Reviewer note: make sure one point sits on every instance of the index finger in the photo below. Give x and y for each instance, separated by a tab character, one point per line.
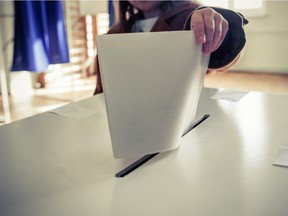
197	24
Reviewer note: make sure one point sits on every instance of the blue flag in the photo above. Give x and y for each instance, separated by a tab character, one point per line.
111	12
40	36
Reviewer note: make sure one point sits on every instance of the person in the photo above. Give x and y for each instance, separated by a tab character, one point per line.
219	30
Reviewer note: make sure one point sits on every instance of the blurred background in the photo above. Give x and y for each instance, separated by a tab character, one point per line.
34	89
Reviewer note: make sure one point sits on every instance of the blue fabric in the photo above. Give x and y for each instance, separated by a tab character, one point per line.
40	37
111	12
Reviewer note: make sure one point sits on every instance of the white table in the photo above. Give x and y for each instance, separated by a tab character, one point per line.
56	165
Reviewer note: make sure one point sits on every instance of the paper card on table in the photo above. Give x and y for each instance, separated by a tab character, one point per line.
230	95
73	111
282	157
152	83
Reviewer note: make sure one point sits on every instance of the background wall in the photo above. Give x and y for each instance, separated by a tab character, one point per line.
267	36
267	41
93	7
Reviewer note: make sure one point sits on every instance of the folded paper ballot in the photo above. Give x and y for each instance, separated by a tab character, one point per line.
151	83
282	157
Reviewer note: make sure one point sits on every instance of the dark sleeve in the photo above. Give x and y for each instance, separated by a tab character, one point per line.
234	40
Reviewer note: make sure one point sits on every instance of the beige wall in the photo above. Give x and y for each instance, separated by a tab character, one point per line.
267	40
93	6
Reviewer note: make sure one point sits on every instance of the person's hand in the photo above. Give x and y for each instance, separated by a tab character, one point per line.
209	28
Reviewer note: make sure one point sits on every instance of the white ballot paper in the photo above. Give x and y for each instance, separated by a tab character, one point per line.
282	157
229	94
152	83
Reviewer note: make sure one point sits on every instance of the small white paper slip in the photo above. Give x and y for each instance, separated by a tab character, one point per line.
230	95
282	157
74	112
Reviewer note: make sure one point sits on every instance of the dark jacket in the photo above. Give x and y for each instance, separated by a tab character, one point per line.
178	18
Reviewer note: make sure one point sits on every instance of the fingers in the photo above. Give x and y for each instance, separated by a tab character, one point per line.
220	31
210	29
197	24
210	26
